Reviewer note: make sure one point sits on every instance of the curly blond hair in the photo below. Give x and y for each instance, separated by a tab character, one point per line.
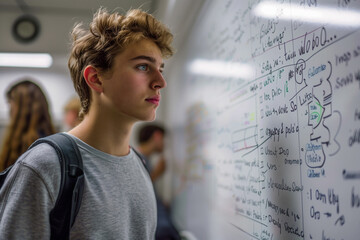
108	35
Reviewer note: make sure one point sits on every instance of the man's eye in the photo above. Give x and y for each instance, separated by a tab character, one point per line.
143	67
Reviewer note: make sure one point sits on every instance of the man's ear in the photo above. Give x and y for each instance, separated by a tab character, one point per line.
92	79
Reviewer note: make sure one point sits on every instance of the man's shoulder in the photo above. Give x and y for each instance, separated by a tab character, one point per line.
38	168
42	158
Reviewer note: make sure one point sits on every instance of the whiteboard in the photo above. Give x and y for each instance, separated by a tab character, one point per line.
264	111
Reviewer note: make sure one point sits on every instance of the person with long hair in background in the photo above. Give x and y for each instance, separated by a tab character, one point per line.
29	120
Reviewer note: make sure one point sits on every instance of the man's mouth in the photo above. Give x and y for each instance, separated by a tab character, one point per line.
154	100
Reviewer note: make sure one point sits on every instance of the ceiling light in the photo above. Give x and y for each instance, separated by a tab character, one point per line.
29	60
221	68
321	15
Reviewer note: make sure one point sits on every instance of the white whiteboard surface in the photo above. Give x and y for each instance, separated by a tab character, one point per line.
264	108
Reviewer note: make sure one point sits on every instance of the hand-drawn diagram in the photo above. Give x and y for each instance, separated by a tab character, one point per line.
245	138
319	109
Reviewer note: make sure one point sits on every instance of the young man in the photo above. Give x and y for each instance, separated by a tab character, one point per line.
116	67
151	141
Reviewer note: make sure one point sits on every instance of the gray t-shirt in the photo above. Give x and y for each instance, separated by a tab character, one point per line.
118	200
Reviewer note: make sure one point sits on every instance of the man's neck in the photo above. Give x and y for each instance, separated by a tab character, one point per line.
111	138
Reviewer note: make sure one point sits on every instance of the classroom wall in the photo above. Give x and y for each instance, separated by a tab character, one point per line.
263	106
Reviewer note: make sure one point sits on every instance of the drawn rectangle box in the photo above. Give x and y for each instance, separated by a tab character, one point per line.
244	138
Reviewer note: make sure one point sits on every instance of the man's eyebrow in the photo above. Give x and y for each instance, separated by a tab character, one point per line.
148	58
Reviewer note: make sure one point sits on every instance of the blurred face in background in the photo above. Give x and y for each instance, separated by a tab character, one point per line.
71	113
71	118
159	141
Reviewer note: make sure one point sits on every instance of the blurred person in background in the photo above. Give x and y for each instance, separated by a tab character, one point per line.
151	141
71	113
29	120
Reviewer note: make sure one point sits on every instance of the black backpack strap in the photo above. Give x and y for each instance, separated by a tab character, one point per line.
140	156
67	205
